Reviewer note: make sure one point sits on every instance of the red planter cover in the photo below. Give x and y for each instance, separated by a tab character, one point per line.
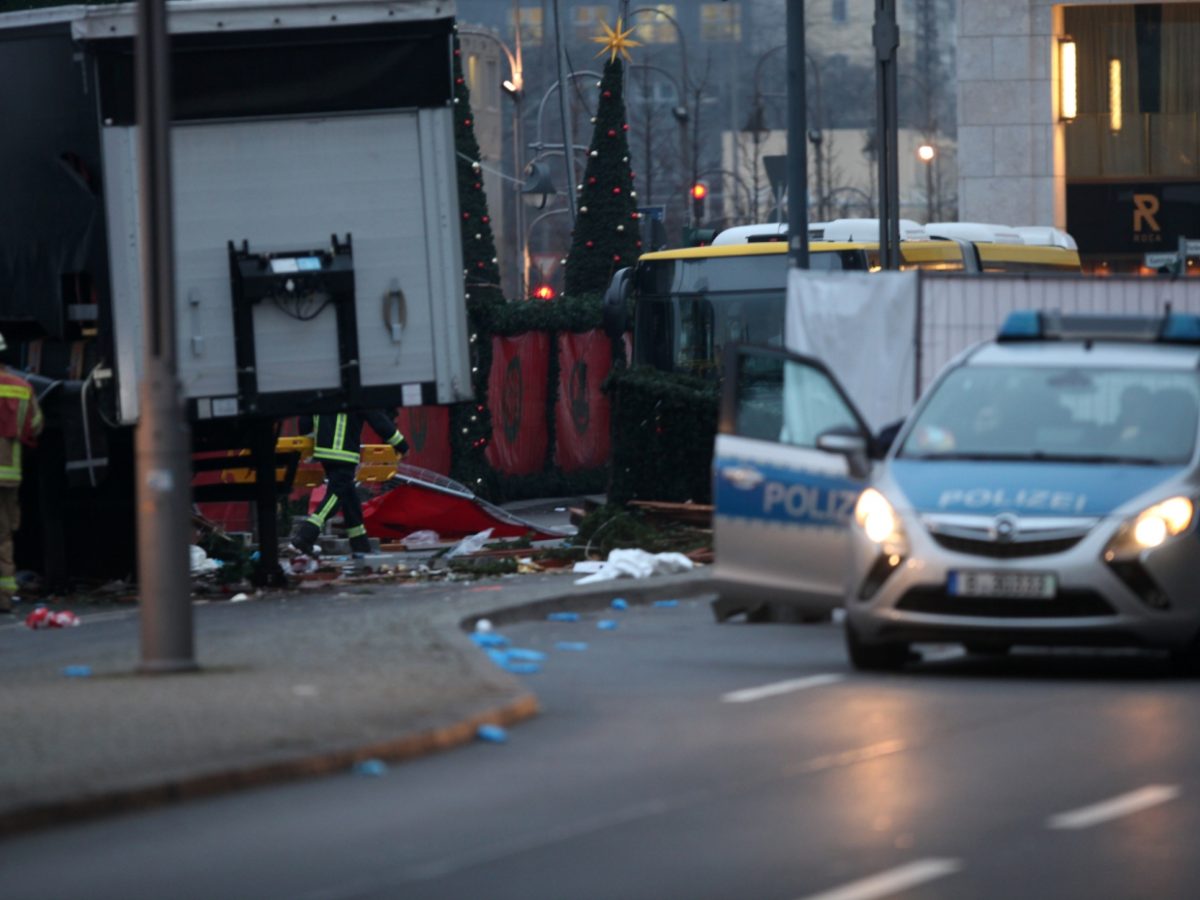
517	399
581	413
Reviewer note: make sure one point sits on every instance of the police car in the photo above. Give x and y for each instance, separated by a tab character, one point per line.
1042	492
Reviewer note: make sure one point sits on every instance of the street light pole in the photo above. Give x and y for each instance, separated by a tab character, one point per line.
163	441
797	145
515	88
560	54
887	40
927	153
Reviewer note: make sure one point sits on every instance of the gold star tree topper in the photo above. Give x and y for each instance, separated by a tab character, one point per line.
616	41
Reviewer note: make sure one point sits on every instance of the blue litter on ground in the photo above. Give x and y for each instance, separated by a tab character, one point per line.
519	663
620	603
77	671
666	604
522	668
563	617
571	645
606	625
526	655
489	639
371	767
493	734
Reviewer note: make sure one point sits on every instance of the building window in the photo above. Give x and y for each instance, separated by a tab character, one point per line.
586	21
655	29
838	11
720	22
531	20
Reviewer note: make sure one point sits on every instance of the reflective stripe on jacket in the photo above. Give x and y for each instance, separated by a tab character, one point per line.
339	437
20	423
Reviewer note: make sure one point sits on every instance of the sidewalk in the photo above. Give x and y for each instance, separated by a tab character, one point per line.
292	684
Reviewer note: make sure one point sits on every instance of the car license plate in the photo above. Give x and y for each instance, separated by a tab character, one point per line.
1032	585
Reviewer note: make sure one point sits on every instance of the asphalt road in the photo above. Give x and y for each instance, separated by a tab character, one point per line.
678	758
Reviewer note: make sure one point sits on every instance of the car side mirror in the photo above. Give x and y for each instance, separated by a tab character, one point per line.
850	444
616	317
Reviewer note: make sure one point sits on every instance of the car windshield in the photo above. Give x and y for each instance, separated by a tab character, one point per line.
1132	416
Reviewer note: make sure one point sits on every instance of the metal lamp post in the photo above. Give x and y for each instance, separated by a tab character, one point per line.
514	86
927	153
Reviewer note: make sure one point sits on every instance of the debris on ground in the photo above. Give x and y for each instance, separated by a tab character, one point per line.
372	768
492	734
698	515
42	617
638	564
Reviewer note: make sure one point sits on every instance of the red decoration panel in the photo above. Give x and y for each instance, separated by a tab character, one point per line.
581	415
427	430
517	397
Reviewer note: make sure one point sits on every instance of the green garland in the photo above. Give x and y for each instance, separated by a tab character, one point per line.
663	430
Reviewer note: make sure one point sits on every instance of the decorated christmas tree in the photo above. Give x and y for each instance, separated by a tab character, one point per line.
471	423
606	229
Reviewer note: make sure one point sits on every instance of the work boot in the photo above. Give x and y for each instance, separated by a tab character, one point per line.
304	540
6	605
360	545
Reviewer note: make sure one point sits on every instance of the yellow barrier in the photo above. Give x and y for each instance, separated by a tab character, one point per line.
377	463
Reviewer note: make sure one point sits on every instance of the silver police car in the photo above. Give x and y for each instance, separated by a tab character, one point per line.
1042	492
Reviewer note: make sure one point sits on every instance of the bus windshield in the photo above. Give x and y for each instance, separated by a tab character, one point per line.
689	309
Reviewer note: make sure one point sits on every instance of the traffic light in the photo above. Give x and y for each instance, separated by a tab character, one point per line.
699	192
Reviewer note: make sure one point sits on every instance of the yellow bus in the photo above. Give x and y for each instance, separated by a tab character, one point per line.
690	302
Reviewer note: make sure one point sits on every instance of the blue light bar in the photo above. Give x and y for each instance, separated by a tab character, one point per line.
1022	325
1181	328
1033	325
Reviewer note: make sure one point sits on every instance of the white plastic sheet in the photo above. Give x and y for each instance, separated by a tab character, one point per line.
638	564
863	327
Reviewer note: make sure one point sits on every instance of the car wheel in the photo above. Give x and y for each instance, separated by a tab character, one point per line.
1186	660
980	649
874	657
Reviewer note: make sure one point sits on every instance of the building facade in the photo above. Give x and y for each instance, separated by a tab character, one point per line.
1084	116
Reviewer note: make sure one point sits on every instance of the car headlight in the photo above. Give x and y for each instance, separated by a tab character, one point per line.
876	517
1153	526
1161	521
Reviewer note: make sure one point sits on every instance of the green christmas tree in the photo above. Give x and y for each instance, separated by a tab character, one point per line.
471	423
606	230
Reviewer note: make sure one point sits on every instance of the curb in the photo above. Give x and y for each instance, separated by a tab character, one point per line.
420	743
405	747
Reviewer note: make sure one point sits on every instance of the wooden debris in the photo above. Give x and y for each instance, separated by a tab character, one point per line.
698	515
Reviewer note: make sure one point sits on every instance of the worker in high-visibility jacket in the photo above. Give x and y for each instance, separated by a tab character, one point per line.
337	445
20	424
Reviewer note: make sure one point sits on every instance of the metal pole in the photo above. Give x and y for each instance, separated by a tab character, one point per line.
929	191
163	443
887	39
797	132
560	53
519	203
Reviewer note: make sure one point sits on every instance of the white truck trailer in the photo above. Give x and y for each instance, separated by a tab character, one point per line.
317	252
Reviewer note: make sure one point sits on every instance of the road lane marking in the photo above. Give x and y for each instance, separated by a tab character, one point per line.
1124	805
748	695
892	881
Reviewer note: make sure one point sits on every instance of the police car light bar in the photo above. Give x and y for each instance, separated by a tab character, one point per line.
1034	325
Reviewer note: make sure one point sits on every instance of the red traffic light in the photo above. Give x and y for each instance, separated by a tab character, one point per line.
699	190
544	292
